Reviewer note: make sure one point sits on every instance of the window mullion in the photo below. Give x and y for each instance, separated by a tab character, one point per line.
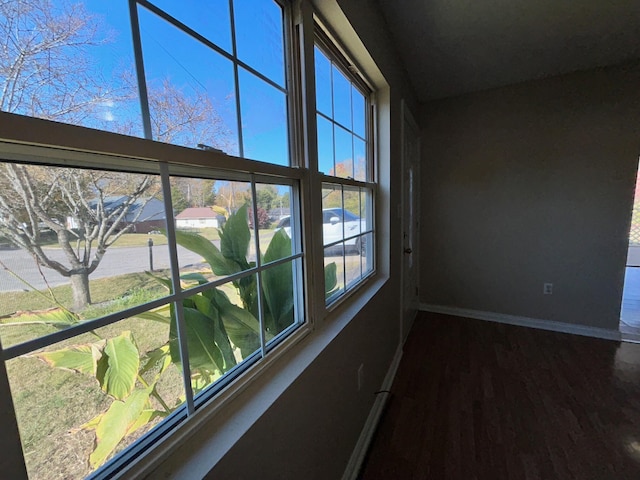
142	81
175	281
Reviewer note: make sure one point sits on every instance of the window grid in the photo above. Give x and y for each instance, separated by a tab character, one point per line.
349	182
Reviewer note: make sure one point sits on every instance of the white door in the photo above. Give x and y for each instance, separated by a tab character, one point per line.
410	218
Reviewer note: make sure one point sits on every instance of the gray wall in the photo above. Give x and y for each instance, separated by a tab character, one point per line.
529	184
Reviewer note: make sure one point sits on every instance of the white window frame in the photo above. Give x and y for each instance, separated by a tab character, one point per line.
328	43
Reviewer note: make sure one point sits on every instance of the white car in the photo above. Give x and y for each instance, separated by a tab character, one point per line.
336	225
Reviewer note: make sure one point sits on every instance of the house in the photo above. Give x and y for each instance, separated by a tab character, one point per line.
528	132
198	217
143	216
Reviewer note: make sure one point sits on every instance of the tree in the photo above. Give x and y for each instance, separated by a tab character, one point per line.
85	207
48	70
266	196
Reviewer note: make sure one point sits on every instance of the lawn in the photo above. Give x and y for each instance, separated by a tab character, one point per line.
142	239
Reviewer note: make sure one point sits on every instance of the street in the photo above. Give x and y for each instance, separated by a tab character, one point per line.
116	261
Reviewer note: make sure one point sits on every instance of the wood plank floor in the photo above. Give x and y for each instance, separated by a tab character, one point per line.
478	400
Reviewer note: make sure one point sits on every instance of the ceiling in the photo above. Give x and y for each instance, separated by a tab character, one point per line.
450	47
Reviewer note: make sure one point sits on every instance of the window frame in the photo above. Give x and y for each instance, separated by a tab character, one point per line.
327	42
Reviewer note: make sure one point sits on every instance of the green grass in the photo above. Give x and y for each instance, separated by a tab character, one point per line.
142	239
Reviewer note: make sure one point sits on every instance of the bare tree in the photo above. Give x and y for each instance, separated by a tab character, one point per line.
47	70
86	210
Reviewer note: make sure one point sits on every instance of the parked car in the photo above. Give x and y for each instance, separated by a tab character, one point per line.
337	224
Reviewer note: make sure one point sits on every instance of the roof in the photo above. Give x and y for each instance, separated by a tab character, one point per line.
197	212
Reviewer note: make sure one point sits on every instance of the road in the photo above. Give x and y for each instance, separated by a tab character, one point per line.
116	261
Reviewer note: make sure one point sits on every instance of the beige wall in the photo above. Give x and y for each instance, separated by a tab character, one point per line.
530	184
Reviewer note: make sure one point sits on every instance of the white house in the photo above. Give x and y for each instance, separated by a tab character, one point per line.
198	217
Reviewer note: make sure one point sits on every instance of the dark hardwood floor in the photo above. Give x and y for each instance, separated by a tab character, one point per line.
479	400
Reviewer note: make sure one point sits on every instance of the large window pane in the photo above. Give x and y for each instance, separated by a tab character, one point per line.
76	247
223	330
359	159
323	83
278	296
118	382
341	99
210	19
69	62
325	145
259	37
264	120
359	113
212	228
334	272
273	203
191	88
343	153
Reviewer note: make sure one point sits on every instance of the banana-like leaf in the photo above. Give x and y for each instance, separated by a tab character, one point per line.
56	317
160	357
114	424
330	279
194	277
200	245
203	351
241	326
277	283
208	308
155	315
122	363
235	237
79	358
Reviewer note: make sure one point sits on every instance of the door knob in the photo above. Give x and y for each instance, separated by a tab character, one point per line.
407	250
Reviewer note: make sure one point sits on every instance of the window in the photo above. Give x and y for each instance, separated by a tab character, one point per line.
140	278
345	161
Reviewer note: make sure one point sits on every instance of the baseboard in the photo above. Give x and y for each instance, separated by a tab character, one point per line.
524	321
366	435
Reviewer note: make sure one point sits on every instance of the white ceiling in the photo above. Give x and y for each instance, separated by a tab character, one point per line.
450	47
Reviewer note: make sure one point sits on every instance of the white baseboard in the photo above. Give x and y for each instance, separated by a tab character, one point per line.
366	435
524	321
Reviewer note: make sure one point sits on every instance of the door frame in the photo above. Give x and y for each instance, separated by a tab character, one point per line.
407	316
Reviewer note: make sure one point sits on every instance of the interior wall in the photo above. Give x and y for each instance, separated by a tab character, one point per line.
529	184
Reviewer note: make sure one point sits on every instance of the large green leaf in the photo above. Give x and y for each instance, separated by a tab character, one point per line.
277	283
202	246
158	359
235	237
330	279
123	361
241	326
57	317
203	351
80	358
113	425
208	307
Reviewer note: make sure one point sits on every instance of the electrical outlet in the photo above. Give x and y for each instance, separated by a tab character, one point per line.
547	288
360	376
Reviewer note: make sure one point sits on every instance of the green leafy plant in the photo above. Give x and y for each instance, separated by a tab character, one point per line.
219	333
